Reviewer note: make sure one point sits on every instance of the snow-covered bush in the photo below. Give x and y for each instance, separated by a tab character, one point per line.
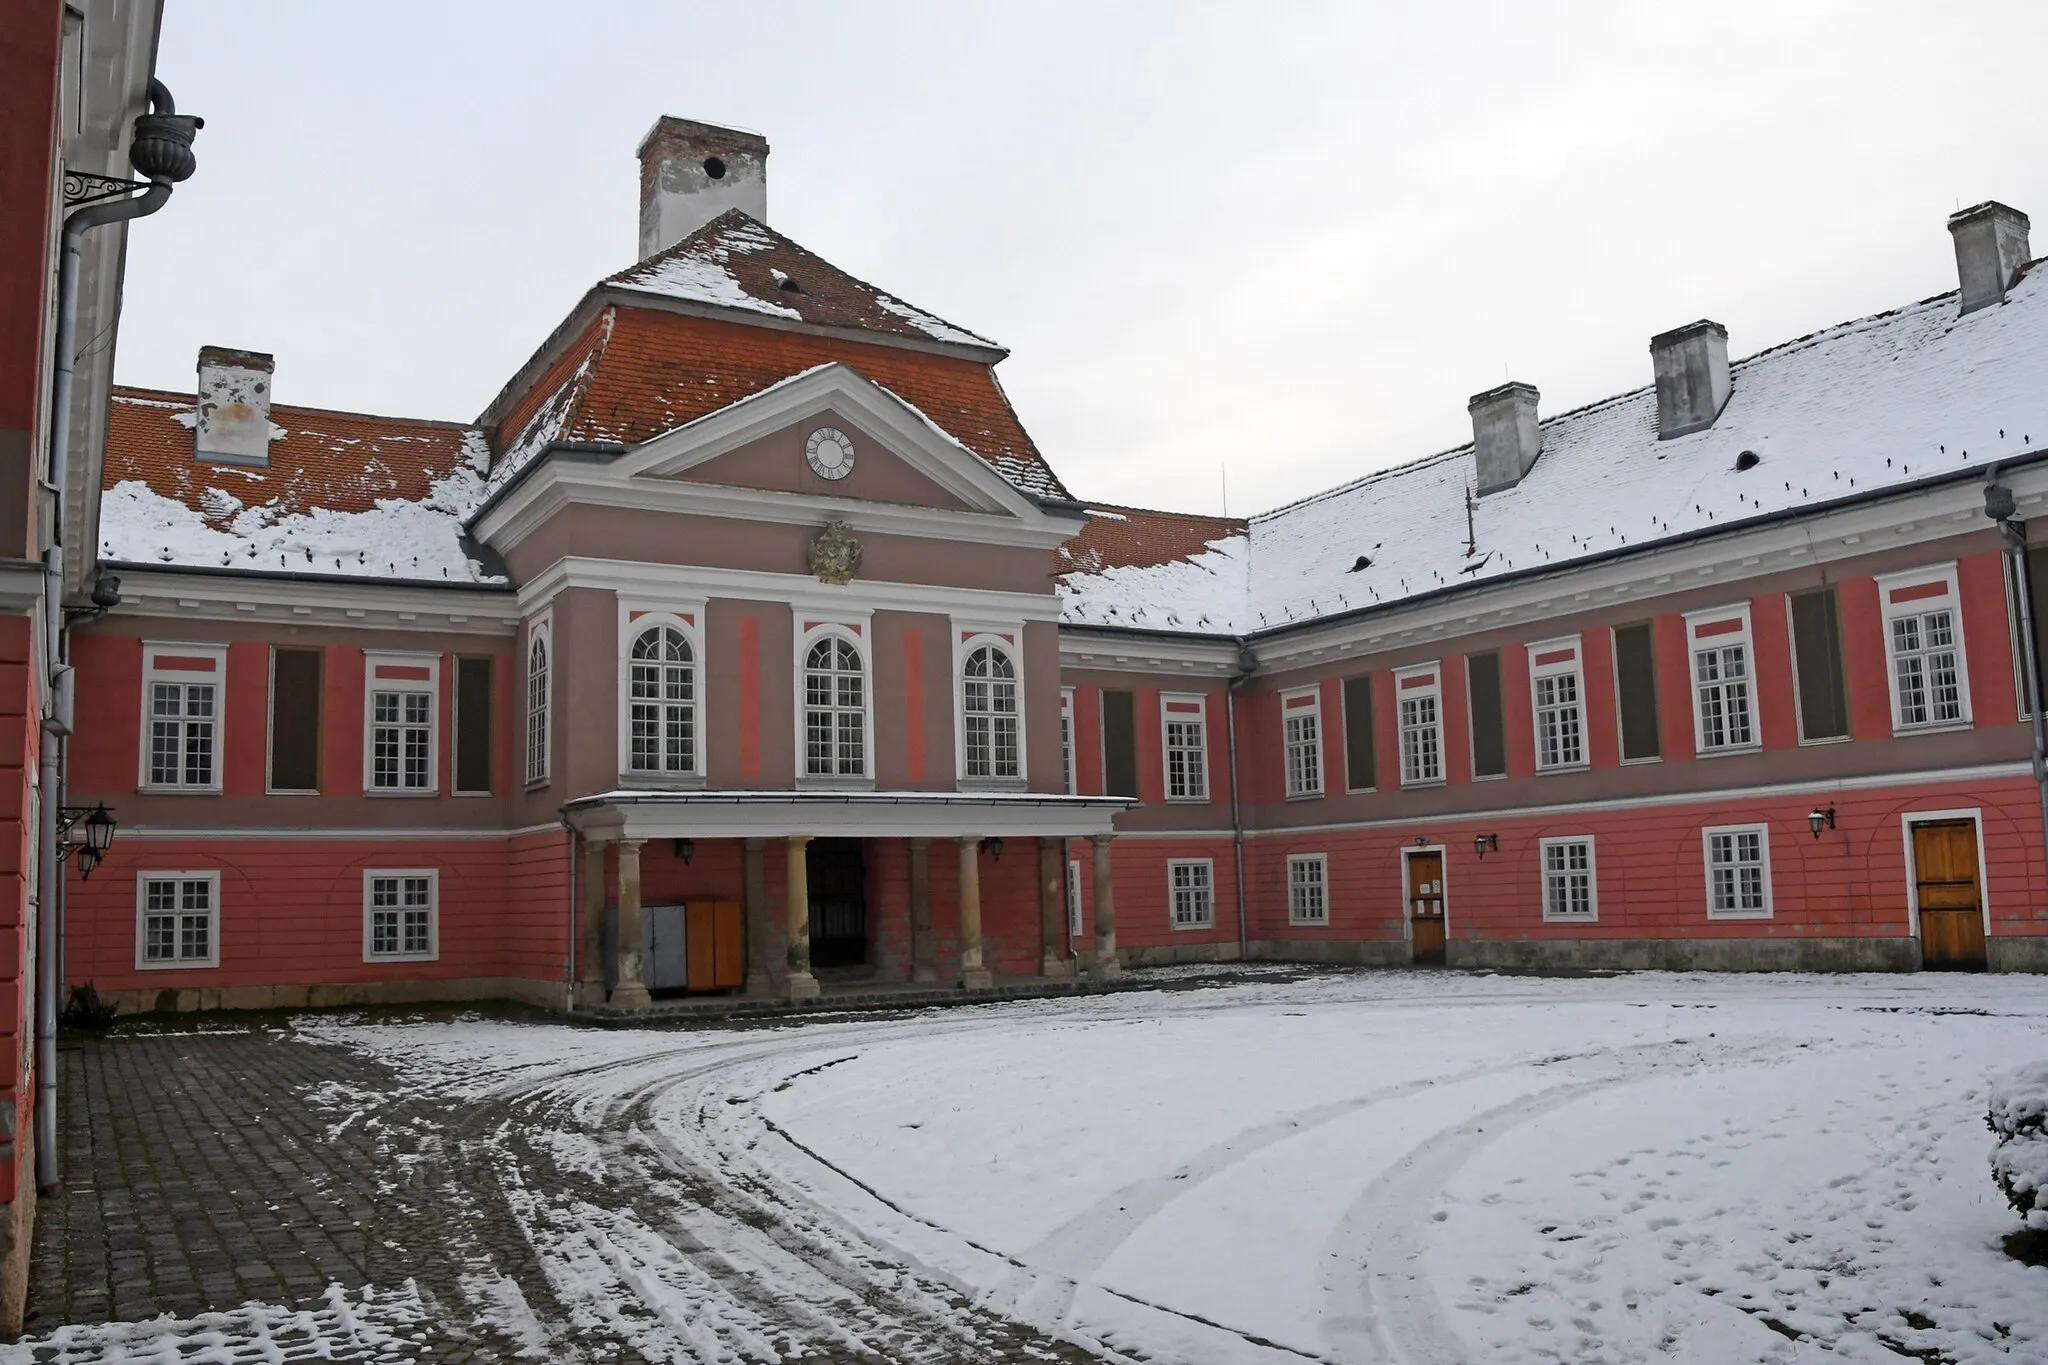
2019	1163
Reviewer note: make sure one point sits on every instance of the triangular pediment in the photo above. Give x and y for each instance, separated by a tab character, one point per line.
827	453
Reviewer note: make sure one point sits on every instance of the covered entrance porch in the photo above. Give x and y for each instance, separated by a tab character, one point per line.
788	895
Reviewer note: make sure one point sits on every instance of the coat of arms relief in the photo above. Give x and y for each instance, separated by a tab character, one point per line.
835	554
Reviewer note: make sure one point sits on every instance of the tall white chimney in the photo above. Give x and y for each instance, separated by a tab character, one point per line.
1991	246
1505	436
233	425
692	172
1692	377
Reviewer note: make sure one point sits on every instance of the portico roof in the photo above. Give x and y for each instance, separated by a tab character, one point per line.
637	814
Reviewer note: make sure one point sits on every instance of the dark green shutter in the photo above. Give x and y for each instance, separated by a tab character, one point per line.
1489	731
472	725
1360	770
1635	685
1817	653
1120	743
295	720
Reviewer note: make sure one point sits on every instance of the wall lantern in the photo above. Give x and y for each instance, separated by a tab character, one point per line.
1422	841
686	849
1818	820
99	825
1483	842
994	847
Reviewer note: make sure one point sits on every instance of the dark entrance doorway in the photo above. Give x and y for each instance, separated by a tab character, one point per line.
839	905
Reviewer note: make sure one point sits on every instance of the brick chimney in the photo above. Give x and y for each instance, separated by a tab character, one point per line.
1692	377
1991	246
692	172
1505	437
233	425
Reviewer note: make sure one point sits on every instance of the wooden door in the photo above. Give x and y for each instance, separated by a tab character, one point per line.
717	946
1426	907
1948	889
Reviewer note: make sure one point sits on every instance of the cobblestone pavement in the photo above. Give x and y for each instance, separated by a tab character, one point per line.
289	1200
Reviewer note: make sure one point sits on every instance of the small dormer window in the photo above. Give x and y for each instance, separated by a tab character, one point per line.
1747	461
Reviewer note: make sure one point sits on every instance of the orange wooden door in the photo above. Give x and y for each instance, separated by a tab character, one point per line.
717	945
1426	907
1948	888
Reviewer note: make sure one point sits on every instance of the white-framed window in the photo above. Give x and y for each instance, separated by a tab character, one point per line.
1073	898
1191	892
991	717
835	730
401	723
183	690
1738	871
1418	700
1301	722
177	919
1184	723
1571	888
1069	780
1923	626
1558	689
1308	896
401	915
659	693
1723	687
540	647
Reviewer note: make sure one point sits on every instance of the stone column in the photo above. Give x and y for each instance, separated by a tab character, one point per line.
973	976
1049	909
924	953
590	989
761	945
632	986
802	985
1106	968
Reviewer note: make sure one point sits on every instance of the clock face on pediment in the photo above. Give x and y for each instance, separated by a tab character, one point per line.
829	452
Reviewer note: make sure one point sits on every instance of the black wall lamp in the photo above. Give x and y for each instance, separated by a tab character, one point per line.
1818	820
686	849
994	846
1482	842
99	825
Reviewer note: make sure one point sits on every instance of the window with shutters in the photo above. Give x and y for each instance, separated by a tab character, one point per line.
1557	687
473	706
991	719
1571	890
1308	900
1184	720
1489	725
1119	742
1635	692
1301	720
539	679
1418	698
835	705
1361	762
1738	871
1924	639
177	919
295	695
183	687
1191	892
399	703
1818	683
401	915
1724	695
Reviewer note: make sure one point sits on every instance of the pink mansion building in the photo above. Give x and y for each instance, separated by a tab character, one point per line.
747	643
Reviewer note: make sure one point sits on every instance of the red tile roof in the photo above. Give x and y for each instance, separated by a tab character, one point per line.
1142	538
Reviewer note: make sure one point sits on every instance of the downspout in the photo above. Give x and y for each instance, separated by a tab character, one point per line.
1247	663
162	150
575	904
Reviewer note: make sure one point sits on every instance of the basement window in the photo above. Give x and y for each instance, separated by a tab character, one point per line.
1747	461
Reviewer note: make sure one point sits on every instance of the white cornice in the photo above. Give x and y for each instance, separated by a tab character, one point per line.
664	581
1109	652
252	597
21	585
869	815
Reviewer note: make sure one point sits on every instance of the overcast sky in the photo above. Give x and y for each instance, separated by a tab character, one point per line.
1286	240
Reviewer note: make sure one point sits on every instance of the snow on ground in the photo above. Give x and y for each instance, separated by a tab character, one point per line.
1421	1167
369	1326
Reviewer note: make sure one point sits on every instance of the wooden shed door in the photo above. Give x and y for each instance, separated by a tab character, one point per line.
1426	906
1948	889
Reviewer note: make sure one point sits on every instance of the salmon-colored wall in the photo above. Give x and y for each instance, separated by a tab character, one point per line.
778	462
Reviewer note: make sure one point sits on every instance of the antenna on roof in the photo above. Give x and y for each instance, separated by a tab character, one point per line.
1471	535
1223	478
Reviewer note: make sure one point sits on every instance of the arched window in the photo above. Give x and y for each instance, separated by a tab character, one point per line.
835	710
661	686
537	708
988	706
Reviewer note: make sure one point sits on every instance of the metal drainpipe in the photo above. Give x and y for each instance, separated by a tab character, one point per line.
2016	549
162	149
575	904
1247	661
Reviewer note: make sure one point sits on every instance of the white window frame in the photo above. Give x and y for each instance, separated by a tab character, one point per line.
1067	754
1715	641
433	879
1571	666
152	674
1197	790
1297	885
270	718
1948	599
537	711
1006	638
1419	682
212	958
857	630
635	620
1551	914
430	688
1735	833
1304	705
1207	888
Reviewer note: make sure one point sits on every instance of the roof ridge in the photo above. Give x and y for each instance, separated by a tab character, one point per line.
143	391
1092	503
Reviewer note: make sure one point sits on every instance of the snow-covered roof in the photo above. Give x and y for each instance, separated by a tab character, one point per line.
1147	570
1880	402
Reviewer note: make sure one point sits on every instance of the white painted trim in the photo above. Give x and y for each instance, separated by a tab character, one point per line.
433	876
1313	712
1322	865
1435	691
373	602
1656	692
1070	756
150	676
1575	667
851	813
1543	847
270	718
1407	851
1950	601
1908	819
369	834
1208	866
801	591
21	587
1707	833
1695	645
1084	650
1798	693
1166	746
858	629
688	618
142	880
540	630
990	635
431	688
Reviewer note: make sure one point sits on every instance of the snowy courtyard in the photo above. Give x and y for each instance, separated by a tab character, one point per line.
1417	1167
